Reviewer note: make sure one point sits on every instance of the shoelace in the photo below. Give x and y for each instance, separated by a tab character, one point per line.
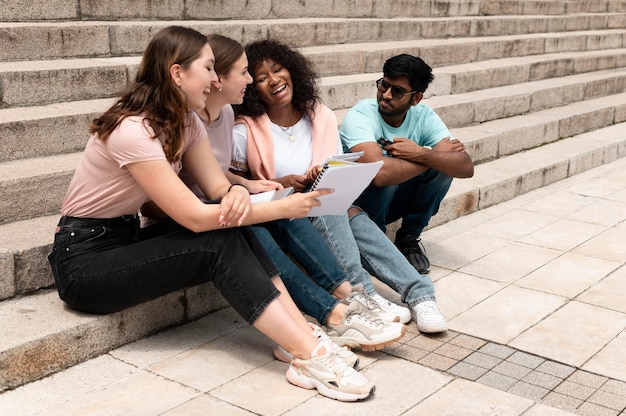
371	302
386	304
428	307
333	362
368	319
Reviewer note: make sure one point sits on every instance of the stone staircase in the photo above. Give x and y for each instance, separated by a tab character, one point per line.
535	89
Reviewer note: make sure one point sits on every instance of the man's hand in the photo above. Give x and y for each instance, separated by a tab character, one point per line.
450	145
406	149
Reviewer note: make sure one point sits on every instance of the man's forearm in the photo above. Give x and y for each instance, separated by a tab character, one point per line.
395	171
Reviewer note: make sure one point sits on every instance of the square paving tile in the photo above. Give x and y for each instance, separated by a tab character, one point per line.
564	234
611	359
568	275
462	397
458	292
510	263
560	204
463	249
609	293
505	315
609	245
603	212
143	394
220	361
586	328
515	225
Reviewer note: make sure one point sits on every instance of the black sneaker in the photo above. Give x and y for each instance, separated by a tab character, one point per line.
413	249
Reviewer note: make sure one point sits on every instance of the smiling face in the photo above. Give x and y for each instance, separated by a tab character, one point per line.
234	83
273	84
197	78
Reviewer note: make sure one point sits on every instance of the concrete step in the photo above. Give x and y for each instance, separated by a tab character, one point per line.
556	7
25	244
23	10
33	10
40	336
28	83
68	39
62	127
36	186
505	178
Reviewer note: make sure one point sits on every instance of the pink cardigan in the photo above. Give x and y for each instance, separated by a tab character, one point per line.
261	144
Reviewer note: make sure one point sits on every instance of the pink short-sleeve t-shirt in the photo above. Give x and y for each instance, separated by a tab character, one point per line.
102	187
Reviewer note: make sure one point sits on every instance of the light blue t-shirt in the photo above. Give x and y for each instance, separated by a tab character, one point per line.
363	123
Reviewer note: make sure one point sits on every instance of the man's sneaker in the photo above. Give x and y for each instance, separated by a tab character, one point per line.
413	249
401	311
344	353
428	317
330	375
360	329
369	303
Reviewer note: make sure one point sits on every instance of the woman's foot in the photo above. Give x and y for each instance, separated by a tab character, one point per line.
330	375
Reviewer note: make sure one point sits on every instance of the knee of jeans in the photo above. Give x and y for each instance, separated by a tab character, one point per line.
354	211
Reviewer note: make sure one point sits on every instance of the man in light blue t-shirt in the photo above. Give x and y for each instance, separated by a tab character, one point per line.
421	157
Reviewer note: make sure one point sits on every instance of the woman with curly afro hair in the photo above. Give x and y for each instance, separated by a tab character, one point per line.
284	132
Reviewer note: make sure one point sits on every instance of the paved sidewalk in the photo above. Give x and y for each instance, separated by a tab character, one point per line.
535	293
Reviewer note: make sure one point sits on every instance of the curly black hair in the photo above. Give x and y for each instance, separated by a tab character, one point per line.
303	76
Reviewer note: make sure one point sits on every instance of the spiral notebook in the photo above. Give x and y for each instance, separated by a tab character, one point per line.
347	178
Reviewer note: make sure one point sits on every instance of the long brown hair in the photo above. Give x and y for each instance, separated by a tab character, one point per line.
153	94
227	51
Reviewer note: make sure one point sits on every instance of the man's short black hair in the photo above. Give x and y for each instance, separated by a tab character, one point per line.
412	68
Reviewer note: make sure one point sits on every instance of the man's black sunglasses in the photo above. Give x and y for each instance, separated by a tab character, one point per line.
396	92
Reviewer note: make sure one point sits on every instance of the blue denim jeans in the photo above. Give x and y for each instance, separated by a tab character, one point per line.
363	249
311	297
415	201
103	266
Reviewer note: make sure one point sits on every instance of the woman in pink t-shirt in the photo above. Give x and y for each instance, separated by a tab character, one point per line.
101	260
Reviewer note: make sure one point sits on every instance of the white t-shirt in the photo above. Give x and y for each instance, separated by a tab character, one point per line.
102	187
289	157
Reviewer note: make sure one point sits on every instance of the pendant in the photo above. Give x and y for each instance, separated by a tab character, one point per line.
291	138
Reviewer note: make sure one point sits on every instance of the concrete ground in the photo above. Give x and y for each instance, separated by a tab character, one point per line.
534	290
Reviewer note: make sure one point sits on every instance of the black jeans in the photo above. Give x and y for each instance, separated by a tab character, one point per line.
103	266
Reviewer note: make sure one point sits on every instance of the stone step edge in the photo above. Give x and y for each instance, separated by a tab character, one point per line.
71	118
110	37
85	11
29	83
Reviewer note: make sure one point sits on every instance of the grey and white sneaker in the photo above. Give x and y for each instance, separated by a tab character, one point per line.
401	311
428	317
343	352
361	329
358	294
330	375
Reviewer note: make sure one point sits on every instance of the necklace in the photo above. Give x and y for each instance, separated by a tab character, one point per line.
287	130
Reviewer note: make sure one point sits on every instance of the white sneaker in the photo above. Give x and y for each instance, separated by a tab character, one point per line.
401	311
348	356
428	317
361	329
369	303
330	375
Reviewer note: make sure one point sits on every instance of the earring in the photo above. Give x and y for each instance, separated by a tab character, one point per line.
220	89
